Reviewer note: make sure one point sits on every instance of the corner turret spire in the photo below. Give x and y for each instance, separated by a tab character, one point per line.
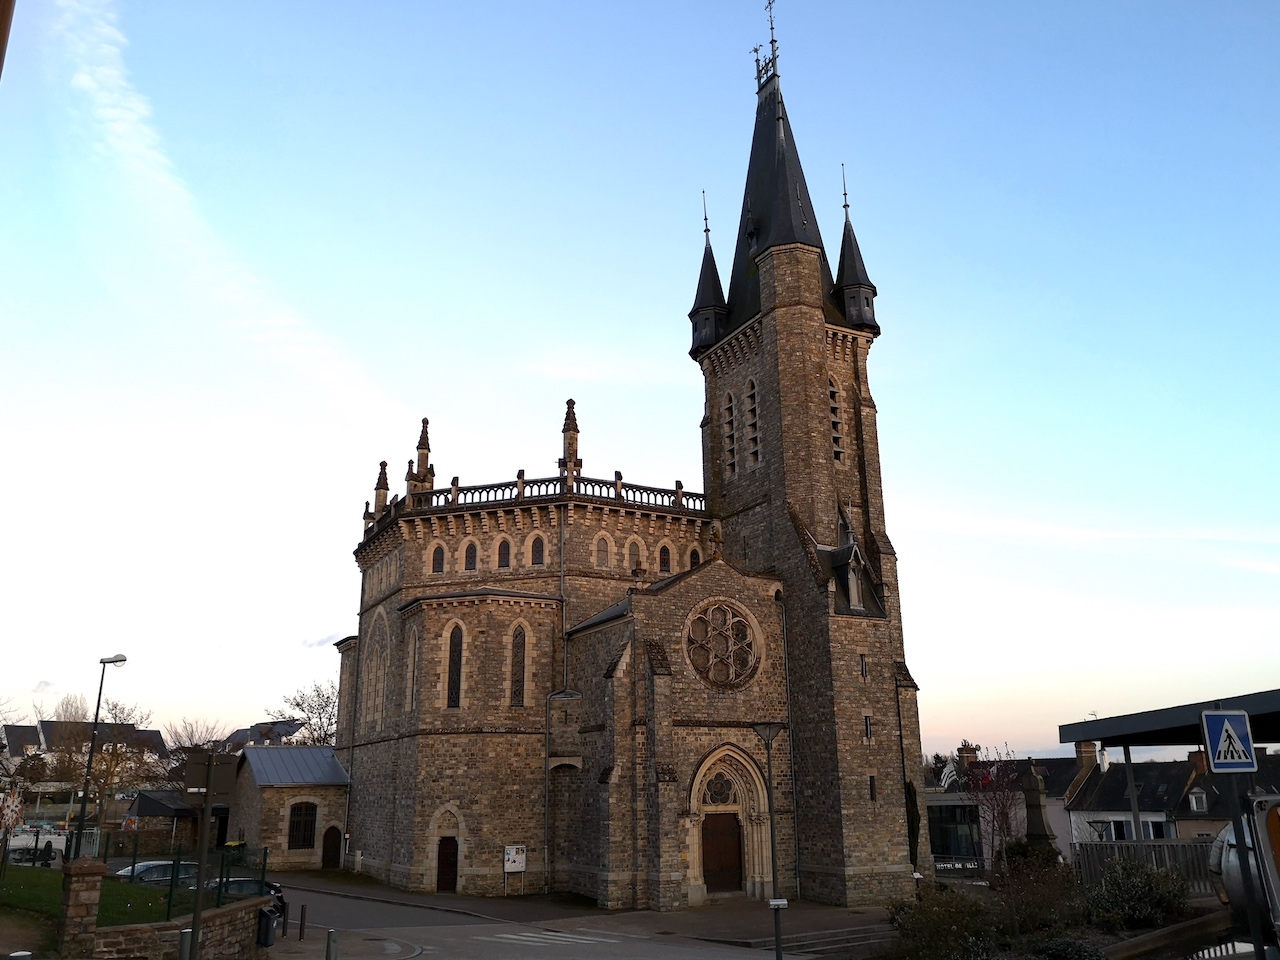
709	311
570	465
853	289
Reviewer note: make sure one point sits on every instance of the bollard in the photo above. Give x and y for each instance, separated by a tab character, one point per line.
331	946
184	944
284	922
302	923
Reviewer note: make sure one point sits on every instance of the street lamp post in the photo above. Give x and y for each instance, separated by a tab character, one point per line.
767	732
117	660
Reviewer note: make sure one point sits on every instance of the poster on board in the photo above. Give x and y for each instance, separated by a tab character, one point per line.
513	859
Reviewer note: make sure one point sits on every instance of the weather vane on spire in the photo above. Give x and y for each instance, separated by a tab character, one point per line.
845	184
706	224
768	67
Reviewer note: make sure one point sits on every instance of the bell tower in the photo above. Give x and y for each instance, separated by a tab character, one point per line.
792	470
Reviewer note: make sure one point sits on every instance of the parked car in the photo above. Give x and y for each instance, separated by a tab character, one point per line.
247	887
158	872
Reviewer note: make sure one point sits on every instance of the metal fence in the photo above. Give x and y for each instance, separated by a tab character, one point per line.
1190	858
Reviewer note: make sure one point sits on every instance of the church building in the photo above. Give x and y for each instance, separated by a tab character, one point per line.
566	683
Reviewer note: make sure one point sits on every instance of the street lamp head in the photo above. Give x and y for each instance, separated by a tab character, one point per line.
118	659
767	731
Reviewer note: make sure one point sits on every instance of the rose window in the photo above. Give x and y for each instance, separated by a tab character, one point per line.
721	647
719	791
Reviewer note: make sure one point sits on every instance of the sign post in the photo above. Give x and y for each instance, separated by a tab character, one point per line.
1228	742
514	860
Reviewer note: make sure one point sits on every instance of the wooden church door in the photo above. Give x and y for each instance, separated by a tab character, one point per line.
331	851
722	852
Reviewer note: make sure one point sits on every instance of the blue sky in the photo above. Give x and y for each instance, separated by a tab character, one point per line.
245	247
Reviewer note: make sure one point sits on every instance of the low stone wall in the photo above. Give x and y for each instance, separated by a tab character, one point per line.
227	933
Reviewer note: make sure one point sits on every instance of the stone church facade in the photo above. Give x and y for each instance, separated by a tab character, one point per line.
575	666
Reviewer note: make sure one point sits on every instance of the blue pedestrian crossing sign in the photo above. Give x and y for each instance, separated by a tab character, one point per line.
1228	741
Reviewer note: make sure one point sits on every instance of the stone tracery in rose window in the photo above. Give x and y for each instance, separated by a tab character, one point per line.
719	791
721	647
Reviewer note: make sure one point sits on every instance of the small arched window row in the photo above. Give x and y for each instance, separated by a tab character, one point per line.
519	663
471	556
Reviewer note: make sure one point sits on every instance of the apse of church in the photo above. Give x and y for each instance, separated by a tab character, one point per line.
561	673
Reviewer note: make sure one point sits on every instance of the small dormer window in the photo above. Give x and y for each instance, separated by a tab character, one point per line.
1199	802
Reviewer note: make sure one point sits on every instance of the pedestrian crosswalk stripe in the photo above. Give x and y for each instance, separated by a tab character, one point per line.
546	938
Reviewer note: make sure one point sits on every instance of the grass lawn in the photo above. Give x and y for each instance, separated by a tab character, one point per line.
39	891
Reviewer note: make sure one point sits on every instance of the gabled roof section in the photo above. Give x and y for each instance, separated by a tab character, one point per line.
776	208
1160	786
19	739
295	766
616	612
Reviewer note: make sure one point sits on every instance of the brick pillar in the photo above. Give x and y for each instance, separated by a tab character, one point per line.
81	890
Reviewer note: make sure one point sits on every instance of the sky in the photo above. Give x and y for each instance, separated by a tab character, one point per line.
246	247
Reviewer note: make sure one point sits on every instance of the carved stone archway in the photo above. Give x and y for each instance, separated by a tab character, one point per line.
728	781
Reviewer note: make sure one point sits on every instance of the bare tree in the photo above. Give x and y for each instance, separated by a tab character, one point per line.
183	738
73	707
317	707
993	784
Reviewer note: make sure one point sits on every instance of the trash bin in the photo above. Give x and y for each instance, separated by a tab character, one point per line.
267	918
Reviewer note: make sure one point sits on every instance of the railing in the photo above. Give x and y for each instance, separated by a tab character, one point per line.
1190	858
547	488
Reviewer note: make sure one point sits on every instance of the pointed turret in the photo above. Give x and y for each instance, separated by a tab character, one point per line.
424	477
709	310
570	465
380	490
853	288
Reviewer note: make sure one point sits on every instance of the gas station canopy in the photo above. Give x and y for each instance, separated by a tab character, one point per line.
1177	726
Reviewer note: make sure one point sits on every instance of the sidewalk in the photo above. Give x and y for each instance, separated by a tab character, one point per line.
737	921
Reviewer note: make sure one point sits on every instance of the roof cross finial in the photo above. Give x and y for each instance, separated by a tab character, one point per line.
768	67
845	184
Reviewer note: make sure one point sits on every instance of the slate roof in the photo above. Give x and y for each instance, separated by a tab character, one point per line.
76	733
288	766
1160	787
1217	802
161	803
269	730
19	736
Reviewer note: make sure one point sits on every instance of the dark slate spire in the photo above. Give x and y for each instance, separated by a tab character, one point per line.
776	208
708	313
854	290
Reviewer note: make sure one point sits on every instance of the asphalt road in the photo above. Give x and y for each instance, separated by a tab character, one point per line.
397	932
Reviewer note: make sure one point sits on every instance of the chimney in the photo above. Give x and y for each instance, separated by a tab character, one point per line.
1086	754
1200	760
966	754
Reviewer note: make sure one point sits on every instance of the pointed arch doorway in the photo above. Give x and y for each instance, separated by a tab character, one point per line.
728	828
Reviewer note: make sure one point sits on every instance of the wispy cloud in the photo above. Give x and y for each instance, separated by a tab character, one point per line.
206	279
44	686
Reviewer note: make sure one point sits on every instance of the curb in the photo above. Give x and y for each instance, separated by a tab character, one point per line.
397	903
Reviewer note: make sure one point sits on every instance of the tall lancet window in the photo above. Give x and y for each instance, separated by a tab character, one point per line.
837	422
517	667
455	668
730	443
752	426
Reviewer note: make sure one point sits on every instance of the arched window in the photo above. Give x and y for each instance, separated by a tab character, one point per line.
695	558
837	423
471	557
437	560
633	555
455	668
504	553
730	445
664	560
753	426
602	552
517	667
302	826
538	552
